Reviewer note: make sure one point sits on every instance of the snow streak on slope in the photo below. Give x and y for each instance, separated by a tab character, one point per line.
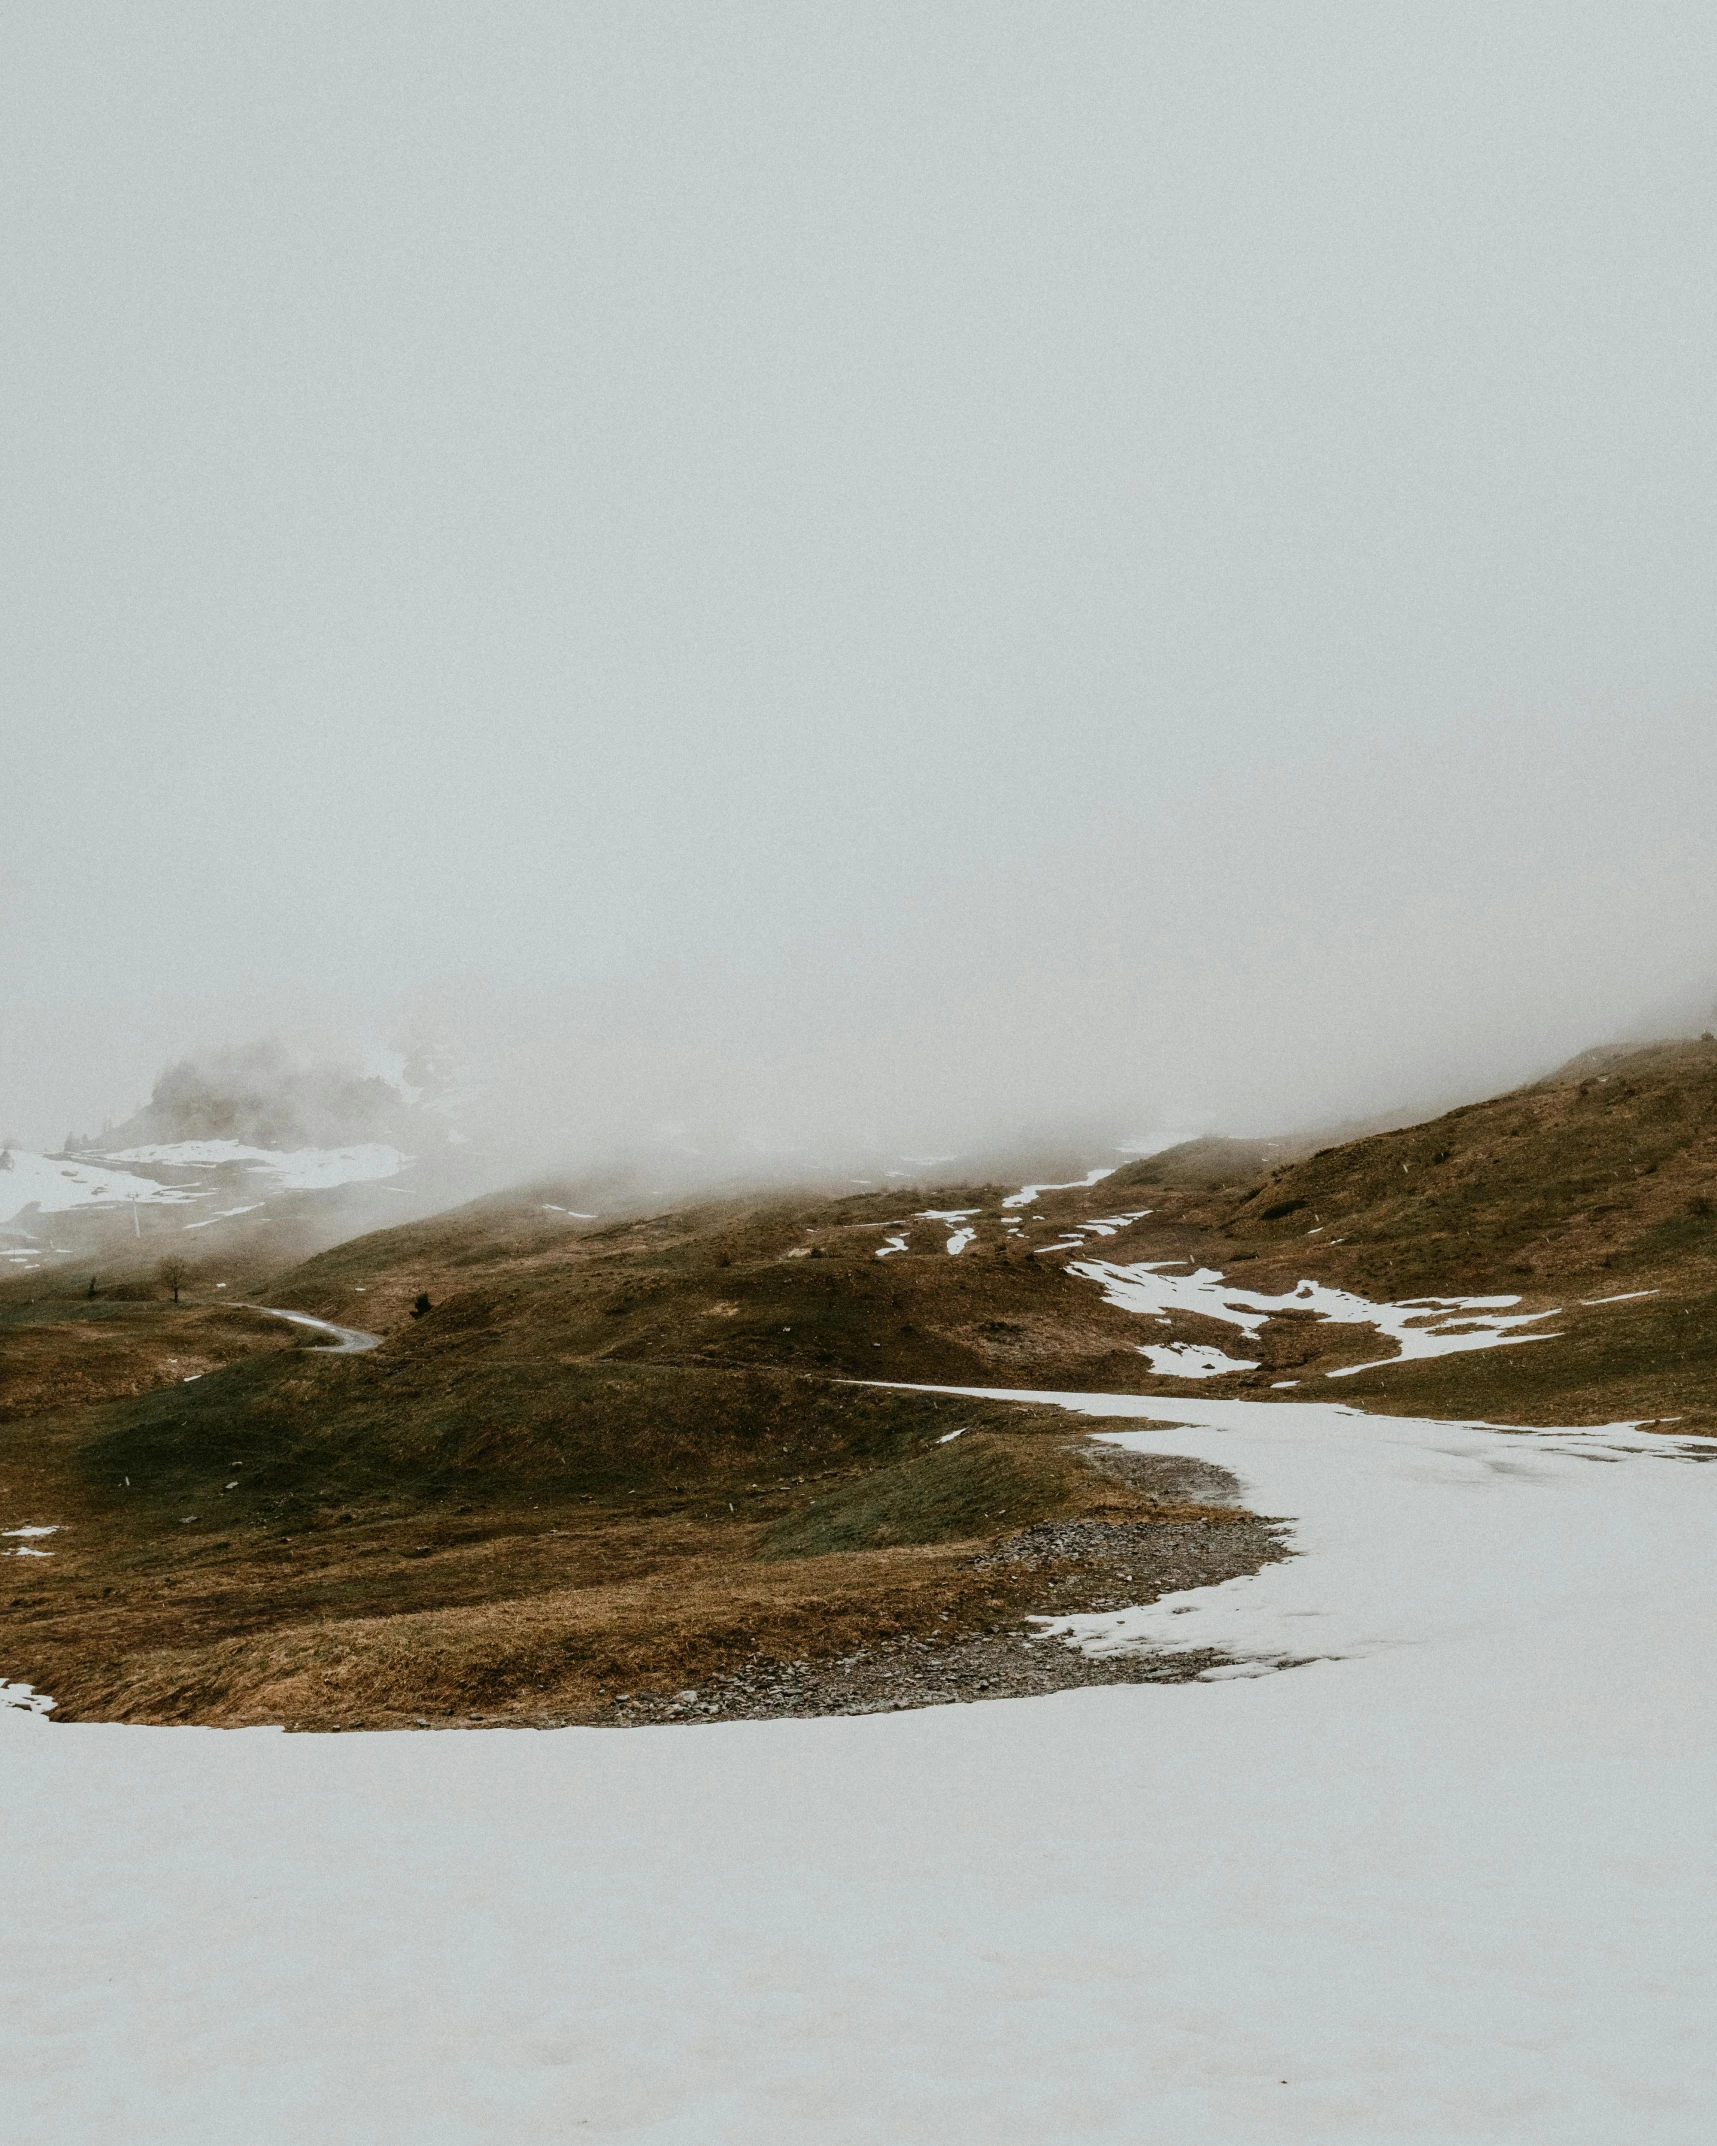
1111	1225
227	1214
1450	1885
1027	1193
958	1238
1424	1326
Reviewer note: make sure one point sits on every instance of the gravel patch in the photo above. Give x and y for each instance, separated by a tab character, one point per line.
1069	1566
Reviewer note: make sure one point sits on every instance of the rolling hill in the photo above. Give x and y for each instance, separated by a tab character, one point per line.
610	1461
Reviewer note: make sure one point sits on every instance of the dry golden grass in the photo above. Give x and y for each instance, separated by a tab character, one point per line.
99	1351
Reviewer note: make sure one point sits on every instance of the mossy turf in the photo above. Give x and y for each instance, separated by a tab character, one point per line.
315	1432
973	1487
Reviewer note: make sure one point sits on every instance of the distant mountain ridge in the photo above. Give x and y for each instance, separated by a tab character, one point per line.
246	1157
260	1096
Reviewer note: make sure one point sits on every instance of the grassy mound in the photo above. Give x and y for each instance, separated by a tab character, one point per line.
975	1486
302	1433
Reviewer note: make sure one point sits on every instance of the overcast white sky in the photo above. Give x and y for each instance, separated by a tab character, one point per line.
913	568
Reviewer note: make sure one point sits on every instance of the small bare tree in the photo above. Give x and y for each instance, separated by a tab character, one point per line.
174	1271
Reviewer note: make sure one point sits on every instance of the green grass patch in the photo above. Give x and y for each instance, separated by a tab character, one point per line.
300	1431
978	1485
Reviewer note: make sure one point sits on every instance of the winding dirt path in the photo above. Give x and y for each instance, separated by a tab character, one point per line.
349	1340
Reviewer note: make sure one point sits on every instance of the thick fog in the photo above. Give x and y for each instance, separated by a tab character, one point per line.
892	577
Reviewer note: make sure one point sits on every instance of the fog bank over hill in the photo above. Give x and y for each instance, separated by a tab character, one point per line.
266	1095
636	1118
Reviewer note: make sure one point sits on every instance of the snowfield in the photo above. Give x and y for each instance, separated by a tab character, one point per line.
1452	1881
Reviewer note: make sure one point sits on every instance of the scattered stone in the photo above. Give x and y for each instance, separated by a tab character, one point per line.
1078	1566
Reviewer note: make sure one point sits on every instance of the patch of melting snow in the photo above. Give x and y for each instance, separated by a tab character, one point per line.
1027	1193
1112	1225
890	1246
9	1532
1347	1594
1421	1326
1186	1360
958	1242
1627	1297
26	1698
226	1214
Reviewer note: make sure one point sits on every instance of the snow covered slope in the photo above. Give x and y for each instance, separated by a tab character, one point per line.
58	1184
1451	1882
97	1208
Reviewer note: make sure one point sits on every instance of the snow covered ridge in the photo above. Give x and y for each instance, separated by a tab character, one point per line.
1423	1326
297	1170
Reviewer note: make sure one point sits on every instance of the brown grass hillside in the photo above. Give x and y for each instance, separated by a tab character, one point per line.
626	1455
